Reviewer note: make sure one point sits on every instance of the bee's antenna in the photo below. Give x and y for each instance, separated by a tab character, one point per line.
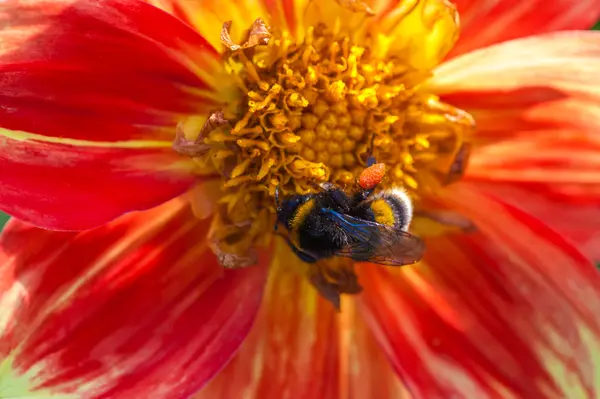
371	159
277	198
278	204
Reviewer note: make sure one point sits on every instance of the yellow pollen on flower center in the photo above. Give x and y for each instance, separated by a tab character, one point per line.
309	113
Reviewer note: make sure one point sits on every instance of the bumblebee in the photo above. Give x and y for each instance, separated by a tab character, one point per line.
363	226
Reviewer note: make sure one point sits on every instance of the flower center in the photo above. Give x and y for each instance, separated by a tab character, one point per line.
311	112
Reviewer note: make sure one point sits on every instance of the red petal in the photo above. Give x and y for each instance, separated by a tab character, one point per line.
301	348
138	308
555	158
574	214
485	22
134	73
544	83
66	187
116	92
486	309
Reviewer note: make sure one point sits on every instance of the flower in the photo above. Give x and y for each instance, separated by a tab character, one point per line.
138	160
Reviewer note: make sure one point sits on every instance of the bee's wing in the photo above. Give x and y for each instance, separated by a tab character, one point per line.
378	243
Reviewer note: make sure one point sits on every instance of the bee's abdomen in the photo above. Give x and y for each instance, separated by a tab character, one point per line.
384	211
392	208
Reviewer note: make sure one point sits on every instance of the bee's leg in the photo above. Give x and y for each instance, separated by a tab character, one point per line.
362	195
277	203
371	176
299	253
304	257
342	200
328	186
337	195
323	186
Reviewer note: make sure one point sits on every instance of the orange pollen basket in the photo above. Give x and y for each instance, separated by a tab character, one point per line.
372	176
311	112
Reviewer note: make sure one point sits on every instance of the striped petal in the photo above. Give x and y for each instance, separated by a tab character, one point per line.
538	116
293	349
75	107
486	309
301	348
486	22
137	308
570	209
541	83
560	157
370	374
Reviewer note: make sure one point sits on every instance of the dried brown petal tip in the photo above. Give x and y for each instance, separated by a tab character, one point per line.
229	259
187	147
234	261
214	121
226	37
226	240
197	147
257	35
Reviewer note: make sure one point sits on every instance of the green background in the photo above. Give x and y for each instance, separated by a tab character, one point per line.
4	217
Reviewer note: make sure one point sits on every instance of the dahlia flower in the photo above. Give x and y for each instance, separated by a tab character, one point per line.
142	144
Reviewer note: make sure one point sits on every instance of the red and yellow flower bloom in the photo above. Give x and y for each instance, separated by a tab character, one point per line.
129	198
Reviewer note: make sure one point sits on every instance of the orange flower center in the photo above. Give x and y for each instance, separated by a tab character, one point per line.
309	112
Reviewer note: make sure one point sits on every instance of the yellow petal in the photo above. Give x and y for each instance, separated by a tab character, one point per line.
418	32
345	16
